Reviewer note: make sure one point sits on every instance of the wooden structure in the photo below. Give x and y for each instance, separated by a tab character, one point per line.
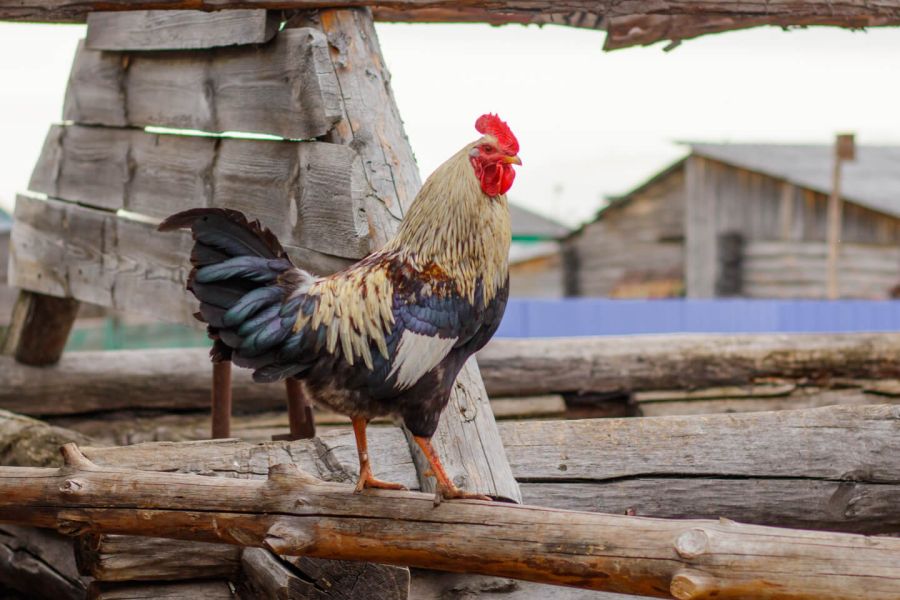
535	269
334	161
745	220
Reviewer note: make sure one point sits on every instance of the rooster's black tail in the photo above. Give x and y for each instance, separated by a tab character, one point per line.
237	265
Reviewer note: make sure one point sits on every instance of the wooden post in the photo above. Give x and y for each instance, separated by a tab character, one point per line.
221	399
467	438
844	149
39	328
300	412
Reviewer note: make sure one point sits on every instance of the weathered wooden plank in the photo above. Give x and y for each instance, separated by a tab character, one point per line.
285	88
178	379
179	29
39	328
183	590
131	558
685	559
850	506
68	250
467	439
745	445
635	363
39	564
302	191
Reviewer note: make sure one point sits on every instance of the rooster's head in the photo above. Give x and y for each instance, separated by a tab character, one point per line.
494	155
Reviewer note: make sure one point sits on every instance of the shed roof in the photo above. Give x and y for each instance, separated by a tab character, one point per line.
872	180
530	226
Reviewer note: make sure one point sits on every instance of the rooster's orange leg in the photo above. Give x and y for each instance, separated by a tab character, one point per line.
366	479
444	485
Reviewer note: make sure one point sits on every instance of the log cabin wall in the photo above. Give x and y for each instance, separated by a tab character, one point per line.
783	228
635	248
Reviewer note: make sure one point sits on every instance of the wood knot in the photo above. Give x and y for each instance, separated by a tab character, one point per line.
71	486
692	543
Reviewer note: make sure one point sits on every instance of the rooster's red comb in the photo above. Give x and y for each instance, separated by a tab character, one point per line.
492	125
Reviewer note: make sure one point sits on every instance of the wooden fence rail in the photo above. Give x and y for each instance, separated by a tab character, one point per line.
626	24
87	382
291	512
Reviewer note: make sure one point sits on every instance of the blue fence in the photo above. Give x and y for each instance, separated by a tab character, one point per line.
601	316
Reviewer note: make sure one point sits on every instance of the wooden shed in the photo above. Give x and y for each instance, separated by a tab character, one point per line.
535	264
744	220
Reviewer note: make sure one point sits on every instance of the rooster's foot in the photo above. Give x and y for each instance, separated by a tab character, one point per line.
367	481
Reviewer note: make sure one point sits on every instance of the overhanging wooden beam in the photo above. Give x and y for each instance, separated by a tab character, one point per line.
638	22
293	513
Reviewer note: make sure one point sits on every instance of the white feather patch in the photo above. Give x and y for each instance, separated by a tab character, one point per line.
416	355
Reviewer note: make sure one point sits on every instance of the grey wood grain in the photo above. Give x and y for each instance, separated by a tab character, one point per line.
285	88
801	503
682	362
109	557
302	191
68	250
179	29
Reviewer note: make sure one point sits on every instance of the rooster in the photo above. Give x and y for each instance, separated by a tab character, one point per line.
388	335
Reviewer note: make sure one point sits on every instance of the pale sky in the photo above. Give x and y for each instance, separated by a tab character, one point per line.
589	123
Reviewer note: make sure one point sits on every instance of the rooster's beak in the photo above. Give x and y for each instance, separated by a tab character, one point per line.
513	160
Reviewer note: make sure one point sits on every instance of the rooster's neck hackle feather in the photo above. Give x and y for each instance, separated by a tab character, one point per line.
454	225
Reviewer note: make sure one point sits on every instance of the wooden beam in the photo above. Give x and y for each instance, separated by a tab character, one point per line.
178	379
627	24
633	363
466	439
684	467
39	328
179	29
302	191
286	88
131	558
644	556
64	249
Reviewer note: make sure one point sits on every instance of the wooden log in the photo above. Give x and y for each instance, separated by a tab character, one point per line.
116	262
627	24
179	29
301	191
39	564
132	558
39	328
766	468
285	88
183	590
681	559
466	439
178	379
614	364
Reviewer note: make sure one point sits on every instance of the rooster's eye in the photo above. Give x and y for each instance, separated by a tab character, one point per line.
487	149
